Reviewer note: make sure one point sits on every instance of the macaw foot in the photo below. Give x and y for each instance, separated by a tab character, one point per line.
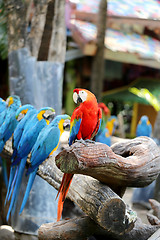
89	141
84	142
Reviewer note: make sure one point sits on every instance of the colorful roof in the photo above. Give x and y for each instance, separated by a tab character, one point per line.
143	45
147	9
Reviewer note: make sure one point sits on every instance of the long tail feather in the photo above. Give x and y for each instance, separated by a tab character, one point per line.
60	207
10	185
13	183
28	189
17	186
64	187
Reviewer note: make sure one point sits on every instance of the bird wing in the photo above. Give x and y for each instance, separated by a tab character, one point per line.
98	123
75	125
46	143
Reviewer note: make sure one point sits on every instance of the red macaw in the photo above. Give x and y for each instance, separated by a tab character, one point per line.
85	123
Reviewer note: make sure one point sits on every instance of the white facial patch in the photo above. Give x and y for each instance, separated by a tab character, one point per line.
48	113
75	97
20	116
83	95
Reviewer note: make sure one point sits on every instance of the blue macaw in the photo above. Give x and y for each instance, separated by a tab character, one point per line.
9	124
111	125
105	133
104	137
28	139
144	127
2	105
23	114
47	142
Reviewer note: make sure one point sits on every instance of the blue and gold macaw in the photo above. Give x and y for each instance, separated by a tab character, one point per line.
104	137
23	114
2	105
8	126
111	124
28	139
144	127
10	122
47	142
103	133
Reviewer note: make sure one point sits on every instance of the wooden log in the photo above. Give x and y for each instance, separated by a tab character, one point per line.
153	220
97	200
83	227
132	163
155	205
53	175
155	236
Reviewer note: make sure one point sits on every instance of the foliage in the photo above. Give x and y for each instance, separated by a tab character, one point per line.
3	32
147	95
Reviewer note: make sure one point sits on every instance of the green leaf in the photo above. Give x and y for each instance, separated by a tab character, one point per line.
147	95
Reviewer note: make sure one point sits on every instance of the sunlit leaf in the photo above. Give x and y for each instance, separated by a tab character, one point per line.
147	95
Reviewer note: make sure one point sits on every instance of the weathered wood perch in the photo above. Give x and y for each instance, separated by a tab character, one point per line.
134	163
82	227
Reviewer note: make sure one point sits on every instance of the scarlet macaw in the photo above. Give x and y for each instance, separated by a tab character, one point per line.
46	143
28	139
144	127
85	123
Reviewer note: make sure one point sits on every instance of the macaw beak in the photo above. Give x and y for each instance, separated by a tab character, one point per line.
66	125
79	99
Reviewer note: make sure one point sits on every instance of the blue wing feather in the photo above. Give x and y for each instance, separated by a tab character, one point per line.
75	126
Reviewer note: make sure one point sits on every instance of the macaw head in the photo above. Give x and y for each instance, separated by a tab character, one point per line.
1	100
82	95
46	113
13	101
21	112
112	124
62	121
144	120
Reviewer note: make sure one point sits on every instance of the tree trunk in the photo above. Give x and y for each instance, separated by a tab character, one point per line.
97	74
16	23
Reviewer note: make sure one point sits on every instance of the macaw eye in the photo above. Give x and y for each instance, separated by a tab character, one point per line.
20	116
83	95
49	115
75	97
66	125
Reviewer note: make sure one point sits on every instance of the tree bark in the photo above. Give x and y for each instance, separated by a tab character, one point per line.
133	163
16	23
97	74
57	48
34	38
83	227
94	198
